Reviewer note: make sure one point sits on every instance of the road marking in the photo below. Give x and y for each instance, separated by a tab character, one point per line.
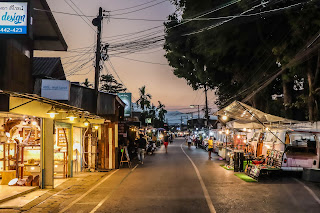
85	194
203	186
109	195
309	190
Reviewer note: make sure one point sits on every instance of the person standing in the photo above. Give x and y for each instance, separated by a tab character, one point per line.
142	143
166	142
189	141
210	147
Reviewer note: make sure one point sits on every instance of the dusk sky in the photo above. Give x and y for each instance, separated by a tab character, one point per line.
159	79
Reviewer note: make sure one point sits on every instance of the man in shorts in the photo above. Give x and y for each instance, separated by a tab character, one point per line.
166	142
210	147
189	141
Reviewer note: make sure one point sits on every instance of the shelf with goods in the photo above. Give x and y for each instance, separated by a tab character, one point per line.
61	153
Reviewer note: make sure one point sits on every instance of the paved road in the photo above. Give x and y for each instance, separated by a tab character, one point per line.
169	183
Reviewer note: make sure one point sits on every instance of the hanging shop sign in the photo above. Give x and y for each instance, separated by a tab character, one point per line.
14	18
55	89
127	99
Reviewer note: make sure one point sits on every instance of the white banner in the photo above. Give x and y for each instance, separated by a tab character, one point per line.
55	89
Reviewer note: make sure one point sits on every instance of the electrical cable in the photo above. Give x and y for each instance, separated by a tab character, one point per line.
130	59
89	24
112	67
84	16
133	6
119	14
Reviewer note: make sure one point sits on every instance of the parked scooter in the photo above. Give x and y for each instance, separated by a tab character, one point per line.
151	147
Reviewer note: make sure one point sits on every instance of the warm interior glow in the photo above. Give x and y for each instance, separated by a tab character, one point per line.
224	117
96	127
52	115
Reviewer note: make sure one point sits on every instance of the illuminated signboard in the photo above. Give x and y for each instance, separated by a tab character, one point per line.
126	98
13	18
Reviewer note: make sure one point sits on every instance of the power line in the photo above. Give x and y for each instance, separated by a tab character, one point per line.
83	14
112	67
118	14
148	62
134	6
80	15
242	15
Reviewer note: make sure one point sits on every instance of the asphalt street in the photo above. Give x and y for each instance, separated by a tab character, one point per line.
174	183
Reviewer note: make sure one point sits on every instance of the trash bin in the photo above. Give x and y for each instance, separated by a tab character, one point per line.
238	160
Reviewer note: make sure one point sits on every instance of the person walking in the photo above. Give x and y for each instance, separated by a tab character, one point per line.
210	147
142	143
189	141
166	142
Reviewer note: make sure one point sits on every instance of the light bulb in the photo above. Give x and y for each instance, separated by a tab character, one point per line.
71	118
52	115
224	117
96	127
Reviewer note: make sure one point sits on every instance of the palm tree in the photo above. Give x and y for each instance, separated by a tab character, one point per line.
152	113
86	83
162	111
144	99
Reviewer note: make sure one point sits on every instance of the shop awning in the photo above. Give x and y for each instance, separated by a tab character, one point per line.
245	113
5	106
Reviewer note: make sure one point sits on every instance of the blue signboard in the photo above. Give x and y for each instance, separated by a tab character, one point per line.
13	18
126	98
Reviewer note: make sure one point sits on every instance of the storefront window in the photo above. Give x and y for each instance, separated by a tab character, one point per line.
20	148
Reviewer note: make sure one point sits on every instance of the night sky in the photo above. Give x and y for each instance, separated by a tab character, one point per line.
160	82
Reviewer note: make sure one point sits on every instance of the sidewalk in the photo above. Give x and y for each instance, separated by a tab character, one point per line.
26	201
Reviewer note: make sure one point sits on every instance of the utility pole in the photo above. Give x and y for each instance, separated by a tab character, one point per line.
97	22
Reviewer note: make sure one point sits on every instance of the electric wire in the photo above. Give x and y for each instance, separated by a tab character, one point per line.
148	62
115	71
119	14
89	24
134	6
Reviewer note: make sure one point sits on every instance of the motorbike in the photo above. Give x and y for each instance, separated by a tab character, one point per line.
151	147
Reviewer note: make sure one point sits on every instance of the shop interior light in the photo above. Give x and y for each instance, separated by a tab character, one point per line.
71	116
267	129
244	141
34	123
8	134
224	117
238	136
86	122
96	127
220	132
52	112
244	129
227	131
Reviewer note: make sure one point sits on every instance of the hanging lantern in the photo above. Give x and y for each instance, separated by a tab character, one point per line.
52	112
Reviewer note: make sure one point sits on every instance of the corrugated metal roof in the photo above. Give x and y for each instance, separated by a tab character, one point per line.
48	67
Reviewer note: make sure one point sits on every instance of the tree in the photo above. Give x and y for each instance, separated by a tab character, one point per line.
241	53
86	83
144	99
162	112
111	85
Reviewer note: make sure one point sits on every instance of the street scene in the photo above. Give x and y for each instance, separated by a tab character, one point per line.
159	106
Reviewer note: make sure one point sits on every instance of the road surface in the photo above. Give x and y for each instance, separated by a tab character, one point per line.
184	181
